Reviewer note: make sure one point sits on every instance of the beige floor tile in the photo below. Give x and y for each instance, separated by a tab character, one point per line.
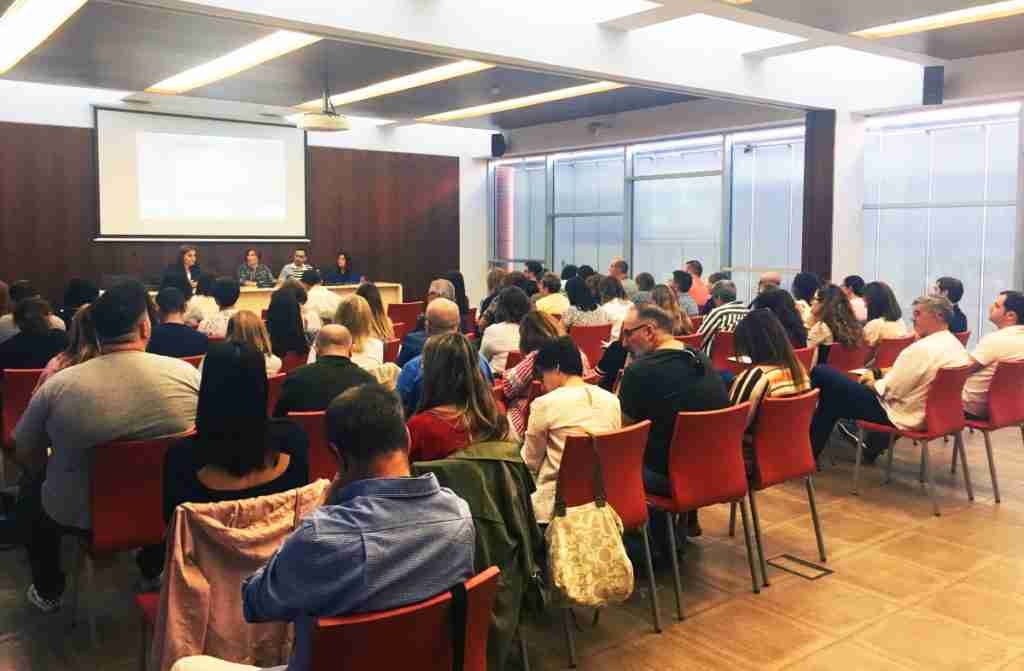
835	607
928	641
1001	575
891	577
934	553
666	652
995	613
846	655
1014	665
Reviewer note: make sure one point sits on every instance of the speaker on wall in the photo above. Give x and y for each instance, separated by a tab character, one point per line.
498	145
933	77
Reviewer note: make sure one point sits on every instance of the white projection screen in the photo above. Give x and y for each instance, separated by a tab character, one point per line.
164	176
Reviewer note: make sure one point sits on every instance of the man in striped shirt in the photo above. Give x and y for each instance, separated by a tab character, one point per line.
294	270
727	313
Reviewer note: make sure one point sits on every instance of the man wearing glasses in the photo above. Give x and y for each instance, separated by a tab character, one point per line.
412	343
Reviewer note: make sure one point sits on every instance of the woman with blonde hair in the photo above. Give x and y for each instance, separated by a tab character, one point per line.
456	405
354	314
666	299
381	326
82	345
247	328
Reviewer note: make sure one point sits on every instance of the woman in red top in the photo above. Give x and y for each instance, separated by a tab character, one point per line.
457	406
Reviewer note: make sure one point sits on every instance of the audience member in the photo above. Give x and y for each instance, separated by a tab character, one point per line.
699	291
184	273
583	309
805	288
245	328
310	388
781	304
173	337
201	304
502	336
225	292
613	301
82	345
154	396
726	314
664	298
37	341
551	300
284	324
294	270
342	271
644	285
682	281
513	279
585	271
18	292
311	322
1004	344
354	314
568	406
769	280
853	289
253	272
619	269
442	317
319	299
456	406
459	285
495	282
897	398
77	293
713	279
381	326
884	314
569	271
533	270
832	321
953	289
412	343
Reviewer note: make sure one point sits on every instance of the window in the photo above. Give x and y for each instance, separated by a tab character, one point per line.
520	211
589	192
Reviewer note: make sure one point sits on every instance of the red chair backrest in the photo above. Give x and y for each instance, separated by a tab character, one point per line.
216	338
693	340
418	636
944	408
844	358
536	391
391	348
292	360
322	463
402	329
705	458
18	384
407	313
622	463
194	360
782	439
890	348
589	339
697	321
515	357
126	493
723	347
274	384
805	355
1005	397
963	337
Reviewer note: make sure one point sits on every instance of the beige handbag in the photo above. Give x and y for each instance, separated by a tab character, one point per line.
587	561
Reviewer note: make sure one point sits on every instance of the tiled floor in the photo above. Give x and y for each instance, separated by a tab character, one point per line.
909	590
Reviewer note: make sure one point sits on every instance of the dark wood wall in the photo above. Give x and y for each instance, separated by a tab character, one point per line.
397	215
819	187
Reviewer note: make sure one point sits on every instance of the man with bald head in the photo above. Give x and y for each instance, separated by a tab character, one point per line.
442	317
412	343
313	387
769	280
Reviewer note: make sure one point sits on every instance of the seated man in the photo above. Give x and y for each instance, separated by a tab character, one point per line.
681	282
1006	344
727	313
412	343
382	539
311	388
123	394
897	398
549	299
769	280
19	291
173	337
226	292
442	317
318	298
619	269
294	270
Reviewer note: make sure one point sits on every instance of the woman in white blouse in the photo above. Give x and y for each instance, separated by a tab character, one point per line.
568	406
354	313
502	336
202	305
832	321
613	302
884	316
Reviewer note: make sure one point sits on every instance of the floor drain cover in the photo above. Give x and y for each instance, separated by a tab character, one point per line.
797	566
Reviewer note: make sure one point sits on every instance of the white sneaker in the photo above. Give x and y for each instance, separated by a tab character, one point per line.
45	605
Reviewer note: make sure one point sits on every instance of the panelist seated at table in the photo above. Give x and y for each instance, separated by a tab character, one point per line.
254	273
341	272
184	273
294	270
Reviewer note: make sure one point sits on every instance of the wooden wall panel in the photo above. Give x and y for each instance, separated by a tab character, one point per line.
396	214
819	186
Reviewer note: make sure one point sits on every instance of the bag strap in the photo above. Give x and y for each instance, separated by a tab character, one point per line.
600	496
459	608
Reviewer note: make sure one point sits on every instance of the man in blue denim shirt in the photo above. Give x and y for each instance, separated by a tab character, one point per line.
383	539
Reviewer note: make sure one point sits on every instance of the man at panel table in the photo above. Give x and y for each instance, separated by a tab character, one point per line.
294	270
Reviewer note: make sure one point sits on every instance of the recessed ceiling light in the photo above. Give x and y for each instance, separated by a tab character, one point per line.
27	23
996	10
354	121
431	76
268	48
525	101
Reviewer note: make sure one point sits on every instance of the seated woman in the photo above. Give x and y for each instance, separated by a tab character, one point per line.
82	345
502	336
456	406
805	286
37	340
201	305
311	322
341	272
832	321
583	309
782	304
354	314
666	299
885	319
284	324
613	301
253	273
225	292
569	406
381	326
246	328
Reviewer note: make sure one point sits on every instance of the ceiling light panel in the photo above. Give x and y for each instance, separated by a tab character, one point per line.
562	12
431	76
354	121
525	101
705	32
266	49
996	10
27	23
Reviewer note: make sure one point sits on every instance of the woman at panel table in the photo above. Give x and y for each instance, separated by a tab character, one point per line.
184	272
341	272
252	273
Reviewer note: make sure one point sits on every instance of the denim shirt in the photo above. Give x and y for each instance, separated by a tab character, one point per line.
410	381
377	544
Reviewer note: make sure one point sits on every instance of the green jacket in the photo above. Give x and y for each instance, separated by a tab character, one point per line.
496	484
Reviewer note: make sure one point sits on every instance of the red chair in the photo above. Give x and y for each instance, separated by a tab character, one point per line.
963	337
417	636
322	462
194	360
293	360
274	384
844	358
782	452
213	339
1005	409
944	416
391	348
621	455
18	385
406	313
590	339
515	358
697	321
890	348
402	329
693	340
805	355
127	512
723	347
705	465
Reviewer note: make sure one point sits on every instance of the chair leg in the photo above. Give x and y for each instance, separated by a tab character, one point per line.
814	517
90	570
570	635
144	645
923	465
670	529
958	448
888	460
757	537
732	519
522	650
78	571
856	466
928	477
992	462
650	578
754	583
952	465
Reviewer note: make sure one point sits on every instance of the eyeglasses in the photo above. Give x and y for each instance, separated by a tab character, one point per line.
628	332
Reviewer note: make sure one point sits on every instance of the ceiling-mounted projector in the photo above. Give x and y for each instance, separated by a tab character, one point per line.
327	119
